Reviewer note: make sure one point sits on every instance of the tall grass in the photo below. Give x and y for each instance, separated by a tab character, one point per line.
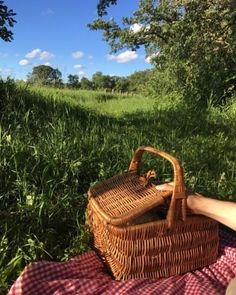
56	143
114	105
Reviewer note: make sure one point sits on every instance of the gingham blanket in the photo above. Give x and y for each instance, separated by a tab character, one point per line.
86	274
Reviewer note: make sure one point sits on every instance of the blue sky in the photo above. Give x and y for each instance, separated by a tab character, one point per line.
56	33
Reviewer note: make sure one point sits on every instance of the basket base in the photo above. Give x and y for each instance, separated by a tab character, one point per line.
151	250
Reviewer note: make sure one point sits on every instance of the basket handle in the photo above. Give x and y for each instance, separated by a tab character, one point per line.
177	208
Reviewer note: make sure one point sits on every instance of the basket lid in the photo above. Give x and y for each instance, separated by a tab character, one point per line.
122	198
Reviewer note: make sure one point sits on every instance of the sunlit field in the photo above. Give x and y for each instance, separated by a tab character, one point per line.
55	143
106	103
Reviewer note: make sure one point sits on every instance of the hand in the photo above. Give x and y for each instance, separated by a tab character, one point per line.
168	186
222	211
193	199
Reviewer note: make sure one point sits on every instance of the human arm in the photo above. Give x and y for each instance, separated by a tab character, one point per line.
222	211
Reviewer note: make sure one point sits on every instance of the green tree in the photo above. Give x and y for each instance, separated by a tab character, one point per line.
111	82
46	75
122	84
98	80
138	80
86	83
101	81
73	81
6	20
195	39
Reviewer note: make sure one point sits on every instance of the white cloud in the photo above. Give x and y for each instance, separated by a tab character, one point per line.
24	62
123	57
78	67
38	53
135	28
47	63
77	54
149	58
81	73
35	53
45	55
90	57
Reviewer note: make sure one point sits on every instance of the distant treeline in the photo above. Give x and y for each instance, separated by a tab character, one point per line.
46	75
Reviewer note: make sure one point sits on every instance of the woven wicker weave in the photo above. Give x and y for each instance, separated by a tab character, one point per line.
141	232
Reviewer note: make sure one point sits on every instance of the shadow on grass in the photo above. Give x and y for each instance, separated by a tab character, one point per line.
52	151
20	105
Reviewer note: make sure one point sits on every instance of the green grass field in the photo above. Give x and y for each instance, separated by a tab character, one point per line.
56	143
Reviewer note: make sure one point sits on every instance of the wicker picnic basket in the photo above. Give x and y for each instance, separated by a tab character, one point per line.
142	232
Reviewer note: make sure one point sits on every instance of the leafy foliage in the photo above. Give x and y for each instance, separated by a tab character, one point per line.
6	20
138	81
122	85
134	83
195	39
86	83
101	81
103	5
73	81
45	75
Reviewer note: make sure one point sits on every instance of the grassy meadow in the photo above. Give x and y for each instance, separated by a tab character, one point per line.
55	143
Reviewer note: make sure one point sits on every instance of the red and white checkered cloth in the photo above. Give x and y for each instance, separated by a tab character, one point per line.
86	275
